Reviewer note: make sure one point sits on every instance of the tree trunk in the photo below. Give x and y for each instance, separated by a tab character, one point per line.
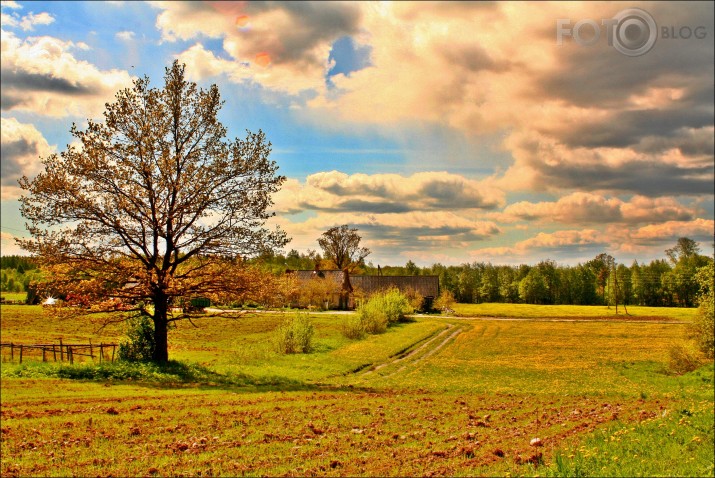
161	342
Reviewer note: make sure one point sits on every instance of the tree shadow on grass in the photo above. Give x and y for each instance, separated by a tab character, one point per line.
171	375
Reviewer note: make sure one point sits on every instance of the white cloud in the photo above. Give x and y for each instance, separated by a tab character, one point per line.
8	245
26	22
589	208
41	75
125	35
29	21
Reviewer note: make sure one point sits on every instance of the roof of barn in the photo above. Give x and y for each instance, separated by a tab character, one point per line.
427	286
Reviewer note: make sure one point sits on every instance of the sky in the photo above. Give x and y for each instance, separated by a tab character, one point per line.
444	132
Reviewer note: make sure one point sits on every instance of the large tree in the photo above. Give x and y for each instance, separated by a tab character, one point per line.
341	245
154	203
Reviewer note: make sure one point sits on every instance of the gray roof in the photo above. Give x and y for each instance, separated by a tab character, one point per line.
427	286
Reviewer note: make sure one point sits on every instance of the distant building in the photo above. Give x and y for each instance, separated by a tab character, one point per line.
339	288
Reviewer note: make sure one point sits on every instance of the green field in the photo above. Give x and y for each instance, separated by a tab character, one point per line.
574	312
436	396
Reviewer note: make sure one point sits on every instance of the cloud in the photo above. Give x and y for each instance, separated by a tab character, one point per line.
285	47
699	229
26	22
40	75
576	118
543	163
10	4
388	193
22	147
125	35
572	244
588	208
8	245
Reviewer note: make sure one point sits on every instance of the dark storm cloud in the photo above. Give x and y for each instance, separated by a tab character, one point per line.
649	178
627	128
313	23
20	81
10	167
357	205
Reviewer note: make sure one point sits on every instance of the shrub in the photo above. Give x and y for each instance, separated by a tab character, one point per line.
295	335
353	327
683	359
381	310
139	346
415	299
372	316
445	302
703	328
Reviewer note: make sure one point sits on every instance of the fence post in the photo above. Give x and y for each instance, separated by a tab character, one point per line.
12	352
54	353
101	352
44	358
91	354
20	353
70	355
62	352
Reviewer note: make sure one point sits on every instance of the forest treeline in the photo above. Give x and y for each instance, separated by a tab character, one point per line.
668	282
16	273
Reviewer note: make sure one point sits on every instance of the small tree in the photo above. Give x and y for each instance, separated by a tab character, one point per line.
341	245
445	302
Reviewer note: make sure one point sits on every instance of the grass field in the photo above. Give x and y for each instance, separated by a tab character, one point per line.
14	295
574	312
437	396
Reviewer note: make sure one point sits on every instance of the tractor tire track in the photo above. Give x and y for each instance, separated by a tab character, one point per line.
450	338
422	352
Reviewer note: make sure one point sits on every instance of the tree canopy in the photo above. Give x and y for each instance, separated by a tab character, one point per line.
154	204
341	245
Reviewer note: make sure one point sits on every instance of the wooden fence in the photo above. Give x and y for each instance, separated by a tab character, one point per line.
62	352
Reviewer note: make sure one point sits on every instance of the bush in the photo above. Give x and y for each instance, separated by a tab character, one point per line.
703	328
295	335
140	344
683	359
353	327
415	299
445	302
380	311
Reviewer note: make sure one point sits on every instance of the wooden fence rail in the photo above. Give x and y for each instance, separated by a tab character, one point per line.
61	351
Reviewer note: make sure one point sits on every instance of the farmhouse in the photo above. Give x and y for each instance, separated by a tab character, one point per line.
338	289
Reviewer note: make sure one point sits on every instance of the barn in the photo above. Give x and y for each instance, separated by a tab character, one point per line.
338	288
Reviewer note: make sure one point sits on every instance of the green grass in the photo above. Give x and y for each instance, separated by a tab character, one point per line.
573	311
676	440
440	396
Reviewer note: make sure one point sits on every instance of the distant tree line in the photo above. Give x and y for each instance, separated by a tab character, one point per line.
16	273
667	282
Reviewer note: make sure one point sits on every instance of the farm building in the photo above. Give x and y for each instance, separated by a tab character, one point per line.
337	289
